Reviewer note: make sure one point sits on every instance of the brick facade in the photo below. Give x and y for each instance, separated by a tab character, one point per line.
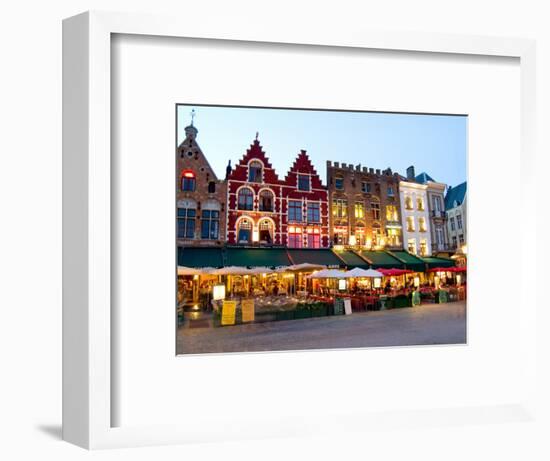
365	208
201	196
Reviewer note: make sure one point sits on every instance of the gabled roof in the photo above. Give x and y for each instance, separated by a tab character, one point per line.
424	177
303	164
255	152
455	194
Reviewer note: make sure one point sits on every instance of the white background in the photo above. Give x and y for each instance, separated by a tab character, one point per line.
30	329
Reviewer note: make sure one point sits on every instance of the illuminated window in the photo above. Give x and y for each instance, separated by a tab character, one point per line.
420	203
394	237
295	210
244	234
266	200
266	231
186	222
376	234
340	208
359	210
313	212
391	213
423	248
294	237
313	238
408	203
410	223
188	181
411	246
255	171
303	182
245	199
360	234
340	235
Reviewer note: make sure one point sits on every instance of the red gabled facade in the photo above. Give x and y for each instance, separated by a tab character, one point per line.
265	210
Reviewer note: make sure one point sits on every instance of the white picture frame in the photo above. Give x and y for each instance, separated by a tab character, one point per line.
87	361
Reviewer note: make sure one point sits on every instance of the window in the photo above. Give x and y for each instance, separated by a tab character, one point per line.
459	221
313	238
376	234
375	208
422	224
461	239
359	210
210	224
340	235
439	237
437	204
303	182
211	187
244	234
391	213
410	224
423	248
390	191
454	241
365	187
452	221
394	237
266	200
339	182
313	212
295	210
420	204
255	171
245	199
360	233
186	223
266	231
340	208
408	203
411	246
294	237
188	181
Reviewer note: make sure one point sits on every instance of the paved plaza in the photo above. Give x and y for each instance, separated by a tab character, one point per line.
421	325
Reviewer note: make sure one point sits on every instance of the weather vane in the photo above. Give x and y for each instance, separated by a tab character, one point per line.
257	135
192	116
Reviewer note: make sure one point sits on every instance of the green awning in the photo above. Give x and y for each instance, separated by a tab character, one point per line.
438	262
382	260
351	259
253	257
412	262
324	257
200	257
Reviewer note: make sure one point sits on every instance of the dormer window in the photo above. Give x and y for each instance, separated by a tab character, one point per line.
304	182
255	171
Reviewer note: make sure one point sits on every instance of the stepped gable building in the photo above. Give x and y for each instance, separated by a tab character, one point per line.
305	213
365	207
436	209
201	196
254	201
264	210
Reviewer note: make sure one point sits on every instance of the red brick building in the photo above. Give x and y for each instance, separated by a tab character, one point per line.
264	210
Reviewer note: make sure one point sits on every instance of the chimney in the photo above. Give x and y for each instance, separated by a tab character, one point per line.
410	173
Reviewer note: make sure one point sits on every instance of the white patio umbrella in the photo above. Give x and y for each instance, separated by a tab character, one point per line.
327	274
363	273
182	270
305	267
233	270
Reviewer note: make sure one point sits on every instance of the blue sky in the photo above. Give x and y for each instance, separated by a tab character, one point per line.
436	144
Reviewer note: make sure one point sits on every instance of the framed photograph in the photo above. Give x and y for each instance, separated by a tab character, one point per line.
272	233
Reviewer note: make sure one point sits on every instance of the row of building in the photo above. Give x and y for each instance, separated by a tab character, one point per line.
359	207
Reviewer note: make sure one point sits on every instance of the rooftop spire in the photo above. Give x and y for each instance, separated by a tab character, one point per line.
190	131
192	113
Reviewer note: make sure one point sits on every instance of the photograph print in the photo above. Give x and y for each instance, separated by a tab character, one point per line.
300	229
